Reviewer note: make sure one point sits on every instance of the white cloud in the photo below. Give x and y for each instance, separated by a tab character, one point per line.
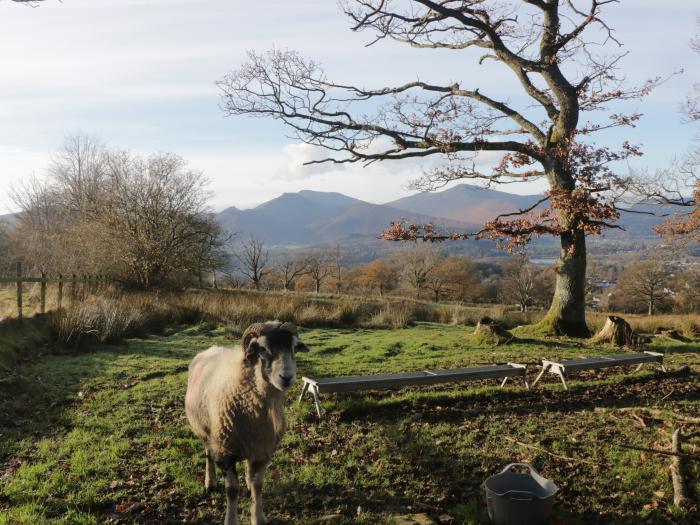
141	75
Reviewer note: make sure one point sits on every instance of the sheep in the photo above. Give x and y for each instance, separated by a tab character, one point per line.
234	403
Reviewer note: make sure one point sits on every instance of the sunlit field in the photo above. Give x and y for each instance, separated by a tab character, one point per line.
100	436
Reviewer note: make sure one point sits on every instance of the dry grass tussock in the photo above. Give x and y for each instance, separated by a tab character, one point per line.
109	319
686	324
116	316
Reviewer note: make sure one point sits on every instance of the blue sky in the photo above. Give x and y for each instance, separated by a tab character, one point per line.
140	75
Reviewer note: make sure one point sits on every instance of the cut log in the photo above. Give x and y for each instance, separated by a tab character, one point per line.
618	332
491	331
680	491
671	334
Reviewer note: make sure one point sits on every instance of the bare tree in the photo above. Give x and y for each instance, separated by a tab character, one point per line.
336	262
253	258
143	221
290	269
519	282
438	283
688	285
319	268
647	281
552	49
418	263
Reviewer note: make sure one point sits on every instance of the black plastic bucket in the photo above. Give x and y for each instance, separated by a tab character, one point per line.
517	498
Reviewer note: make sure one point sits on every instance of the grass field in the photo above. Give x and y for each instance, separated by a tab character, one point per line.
100	437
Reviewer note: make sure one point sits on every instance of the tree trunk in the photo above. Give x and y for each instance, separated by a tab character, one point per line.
567	313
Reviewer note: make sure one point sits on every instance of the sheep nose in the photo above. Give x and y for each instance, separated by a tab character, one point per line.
286	380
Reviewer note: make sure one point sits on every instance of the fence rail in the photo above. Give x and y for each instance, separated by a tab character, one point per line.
85	282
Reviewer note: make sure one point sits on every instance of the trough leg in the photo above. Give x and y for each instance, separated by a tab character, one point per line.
663	368
231	496
210	473
254	475
527	387
560	373
317	400
304	390
505	380
539	376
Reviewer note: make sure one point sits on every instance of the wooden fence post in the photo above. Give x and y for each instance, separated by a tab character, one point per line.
83	291
59	298
73	282
19	290
42	294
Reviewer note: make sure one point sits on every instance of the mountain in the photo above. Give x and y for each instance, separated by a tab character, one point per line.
465	203
9	219
314	217
363	219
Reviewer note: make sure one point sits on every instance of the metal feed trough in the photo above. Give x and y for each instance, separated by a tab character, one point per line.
426	377
561	368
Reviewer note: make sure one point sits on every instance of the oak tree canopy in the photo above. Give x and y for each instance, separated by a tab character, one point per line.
554	51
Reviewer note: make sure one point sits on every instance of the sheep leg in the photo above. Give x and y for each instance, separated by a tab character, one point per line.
231	483
254	474
210	474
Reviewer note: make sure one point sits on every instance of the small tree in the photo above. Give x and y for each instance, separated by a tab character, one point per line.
379	276
418	263
336	263
253	258
290	269
462	279
319	268
688	286
647	281
519	282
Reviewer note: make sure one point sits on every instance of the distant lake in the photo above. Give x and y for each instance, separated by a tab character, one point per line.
543	261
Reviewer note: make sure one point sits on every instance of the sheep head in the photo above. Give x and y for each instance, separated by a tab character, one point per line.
274	345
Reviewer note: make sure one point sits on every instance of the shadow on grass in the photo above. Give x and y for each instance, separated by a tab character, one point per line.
553	343
631	390
423	476
36	394
679	348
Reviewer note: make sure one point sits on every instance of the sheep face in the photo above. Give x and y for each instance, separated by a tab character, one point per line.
276	353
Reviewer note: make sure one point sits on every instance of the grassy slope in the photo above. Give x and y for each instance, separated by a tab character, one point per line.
101	437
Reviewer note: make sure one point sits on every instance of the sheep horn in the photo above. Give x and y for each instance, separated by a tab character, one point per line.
254	330
290	327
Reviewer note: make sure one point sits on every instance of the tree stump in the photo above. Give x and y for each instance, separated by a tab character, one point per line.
618	332
491	331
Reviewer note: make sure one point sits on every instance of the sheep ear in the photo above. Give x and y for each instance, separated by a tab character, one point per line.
251	353
301	347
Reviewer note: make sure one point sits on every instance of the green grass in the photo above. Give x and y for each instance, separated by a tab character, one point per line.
101	437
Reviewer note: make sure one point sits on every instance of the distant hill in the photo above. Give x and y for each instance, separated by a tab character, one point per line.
465	203
314	217
9	219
